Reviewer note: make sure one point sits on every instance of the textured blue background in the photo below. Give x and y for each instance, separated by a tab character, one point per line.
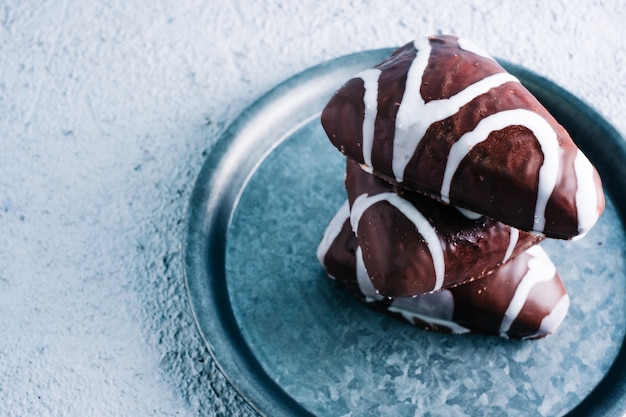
107	111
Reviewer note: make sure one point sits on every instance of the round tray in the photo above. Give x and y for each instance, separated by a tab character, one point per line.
292	344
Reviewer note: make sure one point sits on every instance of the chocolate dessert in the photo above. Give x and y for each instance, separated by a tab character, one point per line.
524	298
443	118
455	172
412	244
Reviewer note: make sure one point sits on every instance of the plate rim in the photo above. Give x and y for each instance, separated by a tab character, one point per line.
213	315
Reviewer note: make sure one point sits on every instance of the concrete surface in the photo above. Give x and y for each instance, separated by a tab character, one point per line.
107	111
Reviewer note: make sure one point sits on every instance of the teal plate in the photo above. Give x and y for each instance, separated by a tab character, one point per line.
293	345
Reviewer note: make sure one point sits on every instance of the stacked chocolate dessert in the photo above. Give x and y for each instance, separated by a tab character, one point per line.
455	172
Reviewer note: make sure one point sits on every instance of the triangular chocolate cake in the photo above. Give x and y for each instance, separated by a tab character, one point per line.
443	118
412	244
524	298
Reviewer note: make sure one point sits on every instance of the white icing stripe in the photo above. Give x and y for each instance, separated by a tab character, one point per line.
514	237
433	321
370	100
471	47
424	228
444	108
362	203
407	124
332	231
363	279
552	321
414	116
541	129
540	269
586	194
469	214
367	169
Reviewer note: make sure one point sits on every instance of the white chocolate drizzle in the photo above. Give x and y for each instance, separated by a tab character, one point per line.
364	280
553	320
513	238
469	46
469	214
367	168
370	100
541	129
435	309
332	231
540	269
423	226
586	195
408	126
415	116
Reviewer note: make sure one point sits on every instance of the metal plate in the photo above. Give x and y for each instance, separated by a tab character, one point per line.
293	345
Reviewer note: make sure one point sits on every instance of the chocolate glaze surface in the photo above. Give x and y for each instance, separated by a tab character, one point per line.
449	122
525	298
400	261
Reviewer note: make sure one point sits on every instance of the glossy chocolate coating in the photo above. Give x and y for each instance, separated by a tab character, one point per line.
522	178
525	298
397	257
